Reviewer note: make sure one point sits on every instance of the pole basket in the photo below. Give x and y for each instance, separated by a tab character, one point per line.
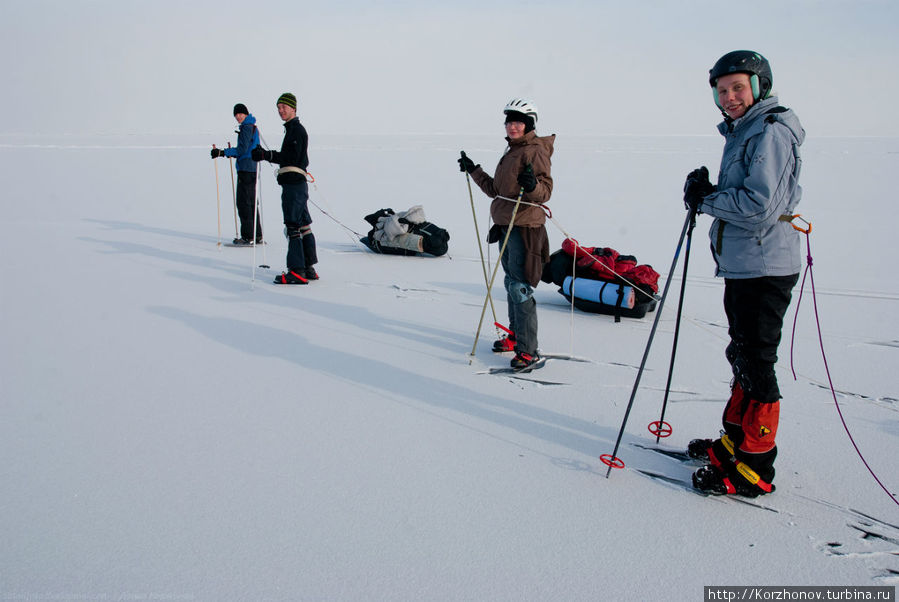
611	461
660	428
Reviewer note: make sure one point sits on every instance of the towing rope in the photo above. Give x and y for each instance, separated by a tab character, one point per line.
810	273
311	180
578	247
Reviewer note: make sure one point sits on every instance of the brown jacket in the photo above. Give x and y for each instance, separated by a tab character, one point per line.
532	149
536	246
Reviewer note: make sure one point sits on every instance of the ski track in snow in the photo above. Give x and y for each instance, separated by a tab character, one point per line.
234	433
861	537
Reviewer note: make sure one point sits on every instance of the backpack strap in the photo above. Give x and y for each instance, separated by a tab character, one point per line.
773	111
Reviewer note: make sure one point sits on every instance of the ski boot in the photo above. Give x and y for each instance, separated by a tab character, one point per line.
506	343
714	481
311	274
290	277
524	362
698	449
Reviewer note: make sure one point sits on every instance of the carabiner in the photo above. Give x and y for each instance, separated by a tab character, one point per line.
807	229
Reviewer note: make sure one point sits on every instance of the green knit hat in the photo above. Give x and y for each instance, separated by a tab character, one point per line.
288	99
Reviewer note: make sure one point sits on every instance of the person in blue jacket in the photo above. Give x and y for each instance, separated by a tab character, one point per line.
247	140
757	252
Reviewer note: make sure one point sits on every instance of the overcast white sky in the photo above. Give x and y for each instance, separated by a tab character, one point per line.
593	67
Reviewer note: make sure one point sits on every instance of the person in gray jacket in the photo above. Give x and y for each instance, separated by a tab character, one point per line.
757	252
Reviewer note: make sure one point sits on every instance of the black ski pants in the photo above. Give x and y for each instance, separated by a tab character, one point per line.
246	204
301	251
755	309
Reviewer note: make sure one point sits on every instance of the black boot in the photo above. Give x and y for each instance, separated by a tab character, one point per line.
290	277
507	343
714	481
524	362
698	449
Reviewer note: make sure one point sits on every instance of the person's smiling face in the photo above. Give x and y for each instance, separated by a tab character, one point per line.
734	94
286	112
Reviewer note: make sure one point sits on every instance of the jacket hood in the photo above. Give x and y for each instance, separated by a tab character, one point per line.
249	120
531	137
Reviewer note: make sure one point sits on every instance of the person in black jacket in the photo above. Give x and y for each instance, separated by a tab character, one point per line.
293	159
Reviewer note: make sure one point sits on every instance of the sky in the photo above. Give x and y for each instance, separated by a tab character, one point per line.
593	68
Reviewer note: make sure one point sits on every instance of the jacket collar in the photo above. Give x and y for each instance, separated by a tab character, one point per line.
526	139
732	125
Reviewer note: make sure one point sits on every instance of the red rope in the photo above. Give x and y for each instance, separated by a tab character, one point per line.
811	274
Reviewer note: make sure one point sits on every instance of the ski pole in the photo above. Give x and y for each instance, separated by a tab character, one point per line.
612	460
233	194
480	247
264	265
495	269
255	209
660	429
478	236
218	202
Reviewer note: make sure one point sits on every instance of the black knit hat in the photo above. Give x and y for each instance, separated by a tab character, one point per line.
241	108
527	120
288	99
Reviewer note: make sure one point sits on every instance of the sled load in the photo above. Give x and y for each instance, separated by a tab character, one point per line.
405	233
603	281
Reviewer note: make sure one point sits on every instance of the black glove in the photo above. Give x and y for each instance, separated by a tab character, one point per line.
696	188
466	164
527	179
260	154
216	152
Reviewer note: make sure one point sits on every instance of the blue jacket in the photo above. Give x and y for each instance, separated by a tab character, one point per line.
247	140
758	182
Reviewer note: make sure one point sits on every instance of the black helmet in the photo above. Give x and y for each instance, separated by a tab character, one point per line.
745	61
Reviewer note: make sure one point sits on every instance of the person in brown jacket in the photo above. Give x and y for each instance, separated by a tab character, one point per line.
523	169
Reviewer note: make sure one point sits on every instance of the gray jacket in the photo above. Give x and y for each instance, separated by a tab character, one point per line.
758	182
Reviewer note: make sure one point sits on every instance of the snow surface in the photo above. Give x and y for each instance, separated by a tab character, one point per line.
171	430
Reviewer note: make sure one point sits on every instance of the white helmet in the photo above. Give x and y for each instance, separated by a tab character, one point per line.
522	105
